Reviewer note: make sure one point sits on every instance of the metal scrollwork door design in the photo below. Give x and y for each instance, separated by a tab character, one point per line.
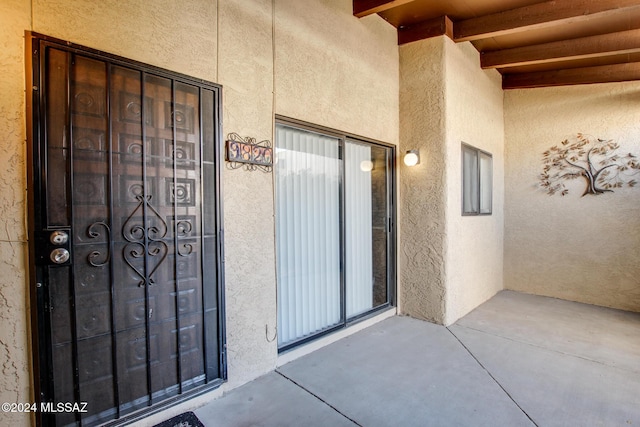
137	235
126	233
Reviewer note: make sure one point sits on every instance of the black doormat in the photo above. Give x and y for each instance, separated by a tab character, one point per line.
188	419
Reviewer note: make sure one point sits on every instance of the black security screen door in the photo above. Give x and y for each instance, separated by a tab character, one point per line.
125	232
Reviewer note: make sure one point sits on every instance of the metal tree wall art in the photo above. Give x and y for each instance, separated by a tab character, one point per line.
593	160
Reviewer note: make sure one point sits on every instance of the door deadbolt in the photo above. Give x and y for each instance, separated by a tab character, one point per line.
59	256
59	237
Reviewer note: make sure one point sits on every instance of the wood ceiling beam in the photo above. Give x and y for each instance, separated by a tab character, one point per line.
573	76
537	16
425	30
581	48
362	8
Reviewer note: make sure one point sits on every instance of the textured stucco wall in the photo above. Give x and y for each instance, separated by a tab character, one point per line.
179	36
348	79
246	71
474	110
449	264
577	248
336	70
15	383
422	222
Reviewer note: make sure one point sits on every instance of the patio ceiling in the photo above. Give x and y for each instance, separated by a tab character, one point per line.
531	43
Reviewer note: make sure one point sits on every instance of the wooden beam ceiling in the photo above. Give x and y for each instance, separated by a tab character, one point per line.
426	29
573	76
363	8
565	50
531	43
537	17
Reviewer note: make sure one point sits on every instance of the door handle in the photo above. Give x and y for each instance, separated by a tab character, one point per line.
59	256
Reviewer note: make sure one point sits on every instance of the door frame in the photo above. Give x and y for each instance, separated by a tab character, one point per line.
36	200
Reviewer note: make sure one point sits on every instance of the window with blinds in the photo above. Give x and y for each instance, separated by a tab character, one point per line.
477	181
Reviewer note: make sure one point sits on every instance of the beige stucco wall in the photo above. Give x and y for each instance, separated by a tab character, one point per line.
329	68
572	247
449	264
15	383
246	72
336	70
474	111
422	211
179	36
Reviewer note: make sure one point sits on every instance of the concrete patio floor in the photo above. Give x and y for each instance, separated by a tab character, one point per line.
517	360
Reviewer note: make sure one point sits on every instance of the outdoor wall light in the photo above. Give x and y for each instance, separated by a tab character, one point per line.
412	158
366	165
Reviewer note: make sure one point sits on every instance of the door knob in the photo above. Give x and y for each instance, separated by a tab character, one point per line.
59	255
59	237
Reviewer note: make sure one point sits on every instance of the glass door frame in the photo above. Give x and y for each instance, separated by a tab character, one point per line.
40	347
391	246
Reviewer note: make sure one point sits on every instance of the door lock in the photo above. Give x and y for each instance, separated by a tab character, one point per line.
54	246
59	255
59	237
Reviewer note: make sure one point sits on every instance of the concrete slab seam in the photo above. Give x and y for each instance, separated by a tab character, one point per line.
318	397
492	377
599	362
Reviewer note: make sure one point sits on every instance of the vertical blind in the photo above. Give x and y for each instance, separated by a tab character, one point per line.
477	181
469	180
358	228
486	182
307	174
326	202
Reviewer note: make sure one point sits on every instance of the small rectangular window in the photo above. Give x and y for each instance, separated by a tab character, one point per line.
477	181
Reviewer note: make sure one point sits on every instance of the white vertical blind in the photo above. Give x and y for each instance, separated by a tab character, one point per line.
358	229
469	180
307	174
486	182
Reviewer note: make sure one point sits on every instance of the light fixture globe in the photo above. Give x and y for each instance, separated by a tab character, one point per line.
412	158
366	166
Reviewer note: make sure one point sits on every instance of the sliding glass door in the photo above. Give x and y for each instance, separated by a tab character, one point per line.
333	230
